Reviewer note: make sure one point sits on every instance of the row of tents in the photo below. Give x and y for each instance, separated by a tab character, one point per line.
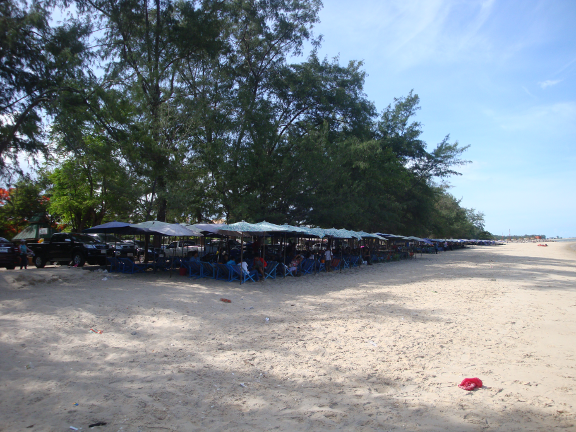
241	229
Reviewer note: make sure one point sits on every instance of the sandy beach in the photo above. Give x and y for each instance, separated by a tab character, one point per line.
380	348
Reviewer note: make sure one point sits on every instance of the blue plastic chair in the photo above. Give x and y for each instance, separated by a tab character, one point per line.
307	266
193	267
129	266
287	271
115	265
270	270
354	261
207	270
223	272
243	276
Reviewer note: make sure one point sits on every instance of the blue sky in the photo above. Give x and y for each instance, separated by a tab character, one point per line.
498	75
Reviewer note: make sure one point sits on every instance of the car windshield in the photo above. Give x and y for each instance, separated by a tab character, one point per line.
83	238
3	240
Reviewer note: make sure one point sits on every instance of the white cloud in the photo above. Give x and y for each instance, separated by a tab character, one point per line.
528	92
549	83
404	34
558	116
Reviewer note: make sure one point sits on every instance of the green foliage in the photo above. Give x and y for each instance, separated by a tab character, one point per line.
197	114
20	204
39	66
90	185
450	220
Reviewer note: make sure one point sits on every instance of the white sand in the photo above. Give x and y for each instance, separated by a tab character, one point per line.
377	348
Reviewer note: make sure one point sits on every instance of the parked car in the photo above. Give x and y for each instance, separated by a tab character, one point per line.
126	249
182	248
70	247
9	256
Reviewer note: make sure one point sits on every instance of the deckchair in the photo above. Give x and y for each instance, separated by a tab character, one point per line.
194	268
270	270
129	266
337	263
161	263
208	270
223	272
307	266
238	274
286	271
354	261
115	265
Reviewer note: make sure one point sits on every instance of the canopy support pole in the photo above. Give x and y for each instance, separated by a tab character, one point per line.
241	257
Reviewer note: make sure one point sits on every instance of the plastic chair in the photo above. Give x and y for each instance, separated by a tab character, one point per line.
270	270
130	266
243	276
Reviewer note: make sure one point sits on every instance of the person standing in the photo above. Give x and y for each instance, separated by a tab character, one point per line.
328	259
23	250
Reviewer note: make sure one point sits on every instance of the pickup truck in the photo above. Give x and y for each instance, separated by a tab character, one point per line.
182	248
70	247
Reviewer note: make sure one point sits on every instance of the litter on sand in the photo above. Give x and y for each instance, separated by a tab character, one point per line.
96	331
225	300
470	384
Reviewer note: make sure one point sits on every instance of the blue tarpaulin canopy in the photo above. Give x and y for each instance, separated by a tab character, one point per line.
116	227
167	229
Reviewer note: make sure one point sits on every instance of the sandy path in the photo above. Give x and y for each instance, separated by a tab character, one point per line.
377	348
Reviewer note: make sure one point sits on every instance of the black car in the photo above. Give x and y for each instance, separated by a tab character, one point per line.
9	255
126	249
70	247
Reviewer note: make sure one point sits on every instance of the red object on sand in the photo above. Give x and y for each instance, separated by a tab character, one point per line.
226	300
470	383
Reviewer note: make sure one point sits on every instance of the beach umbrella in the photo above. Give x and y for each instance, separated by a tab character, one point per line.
241	228
169	230
115	227
244	227
207	228
108	227
335	233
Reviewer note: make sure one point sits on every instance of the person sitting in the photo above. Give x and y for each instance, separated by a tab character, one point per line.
223	258
366	255
233	261
244	267
259	265
194	256
295	264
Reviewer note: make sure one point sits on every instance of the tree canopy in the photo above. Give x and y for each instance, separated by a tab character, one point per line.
199	110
